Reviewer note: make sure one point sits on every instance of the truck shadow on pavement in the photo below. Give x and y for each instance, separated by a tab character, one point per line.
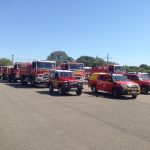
108	96
18	85
56	94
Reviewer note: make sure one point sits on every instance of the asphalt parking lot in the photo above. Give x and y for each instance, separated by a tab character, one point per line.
31	119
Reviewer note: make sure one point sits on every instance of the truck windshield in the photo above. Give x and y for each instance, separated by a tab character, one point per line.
120	69
66	74
45	65
144	77
76	66
17	66
119	78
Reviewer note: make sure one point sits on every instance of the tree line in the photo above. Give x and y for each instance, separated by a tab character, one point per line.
60	56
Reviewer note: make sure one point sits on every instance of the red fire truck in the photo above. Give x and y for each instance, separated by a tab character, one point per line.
16	72
114	84
1	71
143	79
76	67
37	72
112	80
117	69
7	72
11	73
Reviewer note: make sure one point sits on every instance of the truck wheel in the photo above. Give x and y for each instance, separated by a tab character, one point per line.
50	88
115	93
9	80
15	80
94	90
134	96
79	92
144	90
61	91
23	82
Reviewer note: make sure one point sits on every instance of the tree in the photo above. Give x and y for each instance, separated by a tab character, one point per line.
99	62
132	68
144	66
59	56
91	61
87	60
5	61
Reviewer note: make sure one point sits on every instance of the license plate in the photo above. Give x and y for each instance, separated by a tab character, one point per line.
133	92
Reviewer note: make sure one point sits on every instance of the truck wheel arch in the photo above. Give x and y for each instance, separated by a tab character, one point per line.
93	88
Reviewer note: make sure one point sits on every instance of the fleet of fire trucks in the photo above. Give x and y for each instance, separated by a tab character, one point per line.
36	72
112	79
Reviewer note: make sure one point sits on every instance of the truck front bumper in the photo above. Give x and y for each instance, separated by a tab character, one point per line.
130	91
42	80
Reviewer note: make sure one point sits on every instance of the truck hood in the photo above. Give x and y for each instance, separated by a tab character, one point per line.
69	79
43	71
126	83
79	72
146	82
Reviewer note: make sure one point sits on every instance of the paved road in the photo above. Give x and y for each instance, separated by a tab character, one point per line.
31	119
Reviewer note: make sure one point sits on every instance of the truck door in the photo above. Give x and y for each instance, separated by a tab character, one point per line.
56	80
101	83
108	84
105	83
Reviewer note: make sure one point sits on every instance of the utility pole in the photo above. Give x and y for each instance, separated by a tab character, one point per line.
107	58
12	58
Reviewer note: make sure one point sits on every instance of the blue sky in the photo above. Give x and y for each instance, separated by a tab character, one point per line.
32	29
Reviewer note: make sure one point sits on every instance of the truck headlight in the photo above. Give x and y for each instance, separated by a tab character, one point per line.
80	84
124	86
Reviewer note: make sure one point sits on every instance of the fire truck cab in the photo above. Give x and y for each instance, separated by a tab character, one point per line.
37	72
76	67
8	72
117	69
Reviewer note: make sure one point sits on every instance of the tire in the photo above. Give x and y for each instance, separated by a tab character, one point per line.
51	88
94	90
9	80
15	80
61	91
144	90
115	93
33	84
23	82
134	96
79	92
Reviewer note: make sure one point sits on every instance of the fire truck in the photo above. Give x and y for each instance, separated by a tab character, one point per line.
37	72
113	69
10	73
114	84
143	79
76	67
7	72
16	72
1	71
87	72
112	80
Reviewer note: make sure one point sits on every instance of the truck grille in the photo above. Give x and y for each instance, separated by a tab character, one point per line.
133	88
